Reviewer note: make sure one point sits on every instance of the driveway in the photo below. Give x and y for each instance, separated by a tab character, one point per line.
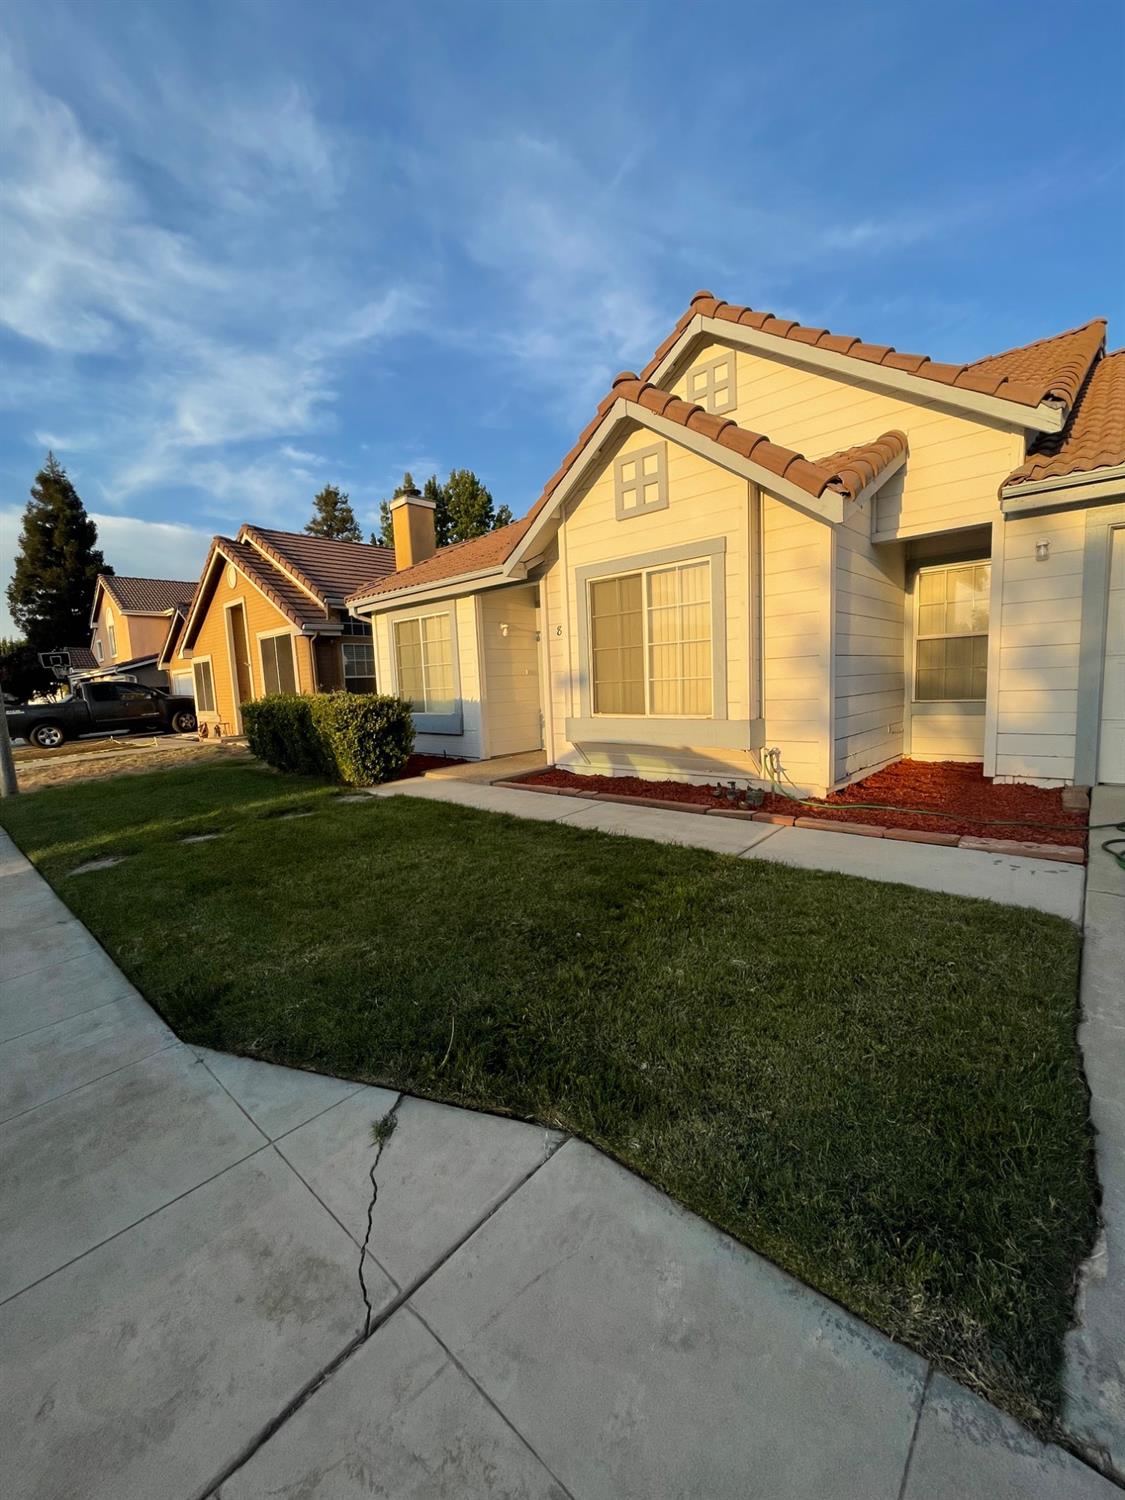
182	1314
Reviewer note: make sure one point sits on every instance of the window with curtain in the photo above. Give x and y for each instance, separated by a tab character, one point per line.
359	666
278	674
424	660
204	687
650	642
951	636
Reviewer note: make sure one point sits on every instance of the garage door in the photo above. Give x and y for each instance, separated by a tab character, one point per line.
1111	744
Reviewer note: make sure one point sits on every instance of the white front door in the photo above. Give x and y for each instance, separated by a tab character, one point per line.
1111	741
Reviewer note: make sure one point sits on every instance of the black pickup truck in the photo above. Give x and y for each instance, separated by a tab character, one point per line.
100	707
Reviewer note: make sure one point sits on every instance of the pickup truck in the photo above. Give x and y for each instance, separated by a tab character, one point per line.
100	707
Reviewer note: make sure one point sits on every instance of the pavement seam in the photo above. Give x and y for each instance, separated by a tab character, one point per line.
125	1228
213	1490
89	1082
129	994
914	1432
471	1378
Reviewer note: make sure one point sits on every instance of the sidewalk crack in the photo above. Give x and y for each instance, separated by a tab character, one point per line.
381	1133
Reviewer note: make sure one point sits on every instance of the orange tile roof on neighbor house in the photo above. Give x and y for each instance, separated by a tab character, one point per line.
330	568
146	596
1093	439
1050	369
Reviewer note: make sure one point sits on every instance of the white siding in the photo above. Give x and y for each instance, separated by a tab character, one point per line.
511	670
1040	629
470	743
797	642
870	681
956	463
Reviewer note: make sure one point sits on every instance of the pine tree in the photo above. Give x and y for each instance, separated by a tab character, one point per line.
57	564
385	536
434	490
463	508
333	516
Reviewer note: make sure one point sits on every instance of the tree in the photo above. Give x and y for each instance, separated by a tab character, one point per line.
333	516
385	537
57	563
21	672
463	508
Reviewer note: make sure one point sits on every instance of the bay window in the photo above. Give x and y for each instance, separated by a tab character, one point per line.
650	642
424	663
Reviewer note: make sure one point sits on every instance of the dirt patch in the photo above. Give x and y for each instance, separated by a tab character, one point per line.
941	797
127	759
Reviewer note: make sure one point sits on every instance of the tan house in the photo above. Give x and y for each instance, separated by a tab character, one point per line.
269	616
129	621
921	560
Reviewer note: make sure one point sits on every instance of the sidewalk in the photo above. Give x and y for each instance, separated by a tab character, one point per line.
1043	884
1095	1369
181	1313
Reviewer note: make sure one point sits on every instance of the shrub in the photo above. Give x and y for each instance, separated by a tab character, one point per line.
358	738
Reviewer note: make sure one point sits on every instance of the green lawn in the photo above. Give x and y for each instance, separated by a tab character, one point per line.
877	1087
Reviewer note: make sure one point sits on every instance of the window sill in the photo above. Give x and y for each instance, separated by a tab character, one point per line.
451	723
703	734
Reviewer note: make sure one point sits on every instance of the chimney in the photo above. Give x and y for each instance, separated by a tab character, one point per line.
413	521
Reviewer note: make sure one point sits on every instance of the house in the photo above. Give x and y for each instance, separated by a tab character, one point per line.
921	559
129	620
269	616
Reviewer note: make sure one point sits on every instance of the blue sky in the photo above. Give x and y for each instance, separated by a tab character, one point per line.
249	248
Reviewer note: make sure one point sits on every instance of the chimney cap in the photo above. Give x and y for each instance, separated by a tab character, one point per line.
413	497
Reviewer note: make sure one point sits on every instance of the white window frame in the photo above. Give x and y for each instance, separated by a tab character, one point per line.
424	721
946	635
98	652
201	661
712	384
269	635
368	643
645	572
623	486
111	634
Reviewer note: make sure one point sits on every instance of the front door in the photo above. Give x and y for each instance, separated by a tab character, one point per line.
1111	739
240	660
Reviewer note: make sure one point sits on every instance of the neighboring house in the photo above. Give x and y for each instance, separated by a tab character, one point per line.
944	578
129	621
269	616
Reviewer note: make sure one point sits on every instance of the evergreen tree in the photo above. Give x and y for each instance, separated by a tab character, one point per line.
385	536
333	516
21	674
57	564
463	508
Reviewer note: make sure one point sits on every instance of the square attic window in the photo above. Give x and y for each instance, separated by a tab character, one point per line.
640	481
712	385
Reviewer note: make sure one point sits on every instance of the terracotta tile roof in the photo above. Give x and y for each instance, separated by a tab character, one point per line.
1094	438
1052	369
846	473
474	556
289	597
152	596
331	569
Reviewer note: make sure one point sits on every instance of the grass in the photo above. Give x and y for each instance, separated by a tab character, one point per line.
878	1088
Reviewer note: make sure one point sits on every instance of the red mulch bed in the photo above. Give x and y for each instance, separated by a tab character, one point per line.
418	765
946	786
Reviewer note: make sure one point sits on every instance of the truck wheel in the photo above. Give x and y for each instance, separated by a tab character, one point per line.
183	722
47	736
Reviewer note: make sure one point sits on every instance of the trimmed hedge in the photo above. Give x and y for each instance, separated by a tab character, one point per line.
358	738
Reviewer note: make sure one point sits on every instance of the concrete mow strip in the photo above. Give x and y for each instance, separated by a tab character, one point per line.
1036	883
85	1166
398	1419
720	835
276	1099
442	1171
966	1448
52	1060
641	1352
143	1370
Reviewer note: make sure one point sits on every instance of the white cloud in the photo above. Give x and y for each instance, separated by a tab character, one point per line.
131	545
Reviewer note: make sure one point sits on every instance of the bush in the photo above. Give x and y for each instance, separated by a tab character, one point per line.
358	738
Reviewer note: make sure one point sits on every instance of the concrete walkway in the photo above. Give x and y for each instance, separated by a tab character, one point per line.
181	1313
1095	1369
1043	884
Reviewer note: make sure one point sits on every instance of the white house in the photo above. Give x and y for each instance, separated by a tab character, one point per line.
921	559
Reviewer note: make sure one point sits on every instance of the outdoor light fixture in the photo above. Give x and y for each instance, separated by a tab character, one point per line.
1042	551
503	628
